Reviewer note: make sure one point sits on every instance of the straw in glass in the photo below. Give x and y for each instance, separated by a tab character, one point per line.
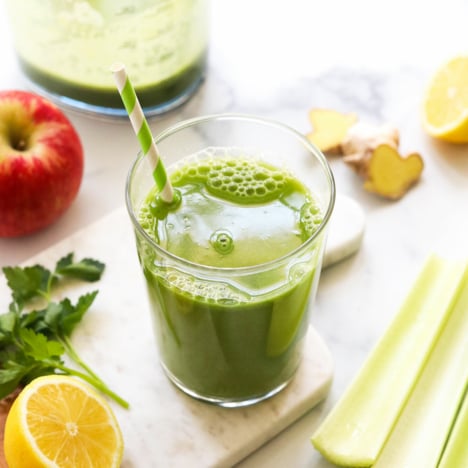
142	131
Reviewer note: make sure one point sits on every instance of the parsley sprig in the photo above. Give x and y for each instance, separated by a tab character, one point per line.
32	342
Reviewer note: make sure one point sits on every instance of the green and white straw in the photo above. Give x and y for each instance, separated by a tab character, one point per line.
142	131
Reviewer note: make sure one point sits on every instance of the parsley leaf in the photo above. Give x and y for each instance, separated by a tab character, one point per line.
37	346
8	324
32	281
10	379
33	342
63	319
27	282
87	269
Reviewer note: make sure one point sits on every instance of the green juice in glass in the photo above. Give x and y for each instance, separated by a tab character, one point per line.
231	332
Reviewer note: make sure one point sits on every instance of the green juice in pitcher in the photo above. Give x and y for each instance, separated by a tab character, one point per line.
231	313
66	47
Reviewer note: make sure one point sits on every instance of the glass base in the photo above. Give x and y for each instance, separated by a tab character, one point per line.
225	402
112	112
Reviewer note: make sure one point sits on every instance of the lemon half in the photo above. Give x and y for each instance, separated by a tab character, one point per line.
60	421
445	107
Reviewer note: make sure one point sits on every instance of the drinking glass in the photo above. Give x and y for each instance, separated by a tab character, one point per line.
232	336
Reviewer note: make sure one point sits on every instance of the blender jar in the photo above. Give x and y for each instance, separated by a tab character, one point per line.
66	47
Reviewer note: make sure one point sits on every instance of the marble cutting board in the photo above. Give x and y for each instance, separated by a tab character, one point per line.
164	427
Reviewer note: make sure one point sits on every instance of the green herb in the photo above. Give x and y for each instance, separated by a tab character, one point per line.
32	342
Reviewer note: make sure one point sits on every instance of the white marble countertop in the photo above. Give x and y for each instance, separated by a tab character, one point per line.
278	60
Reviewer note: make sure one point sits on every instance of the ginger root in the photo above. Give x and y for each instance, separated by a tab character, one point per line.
371	151
389	174
362	139
329	129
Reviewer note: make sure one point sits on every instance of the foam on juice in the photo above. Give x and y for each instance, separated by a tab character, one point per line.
234	212
228	202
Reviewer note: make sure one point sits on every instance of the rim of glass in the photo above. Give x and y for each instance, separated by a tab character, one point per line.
241	117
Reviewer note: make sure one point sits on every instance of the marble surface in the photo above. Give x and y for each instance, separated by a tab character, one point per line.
278	60
164	427
346	230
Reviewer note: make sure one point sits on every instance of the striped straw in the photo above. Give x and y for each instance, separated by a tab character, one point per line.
142	131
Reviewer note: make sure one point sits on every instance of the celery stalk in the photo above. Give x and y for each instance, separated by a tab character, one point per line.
421	431
355	431
456	450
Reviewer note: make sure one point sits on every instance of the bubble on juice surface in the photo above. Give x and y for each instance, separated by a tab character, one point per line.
243	179
222	241
310	218
298	271
209	291
148	222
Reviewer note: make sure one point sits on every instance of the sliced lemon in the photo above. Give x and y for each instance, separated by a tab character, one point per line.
445	108
59	421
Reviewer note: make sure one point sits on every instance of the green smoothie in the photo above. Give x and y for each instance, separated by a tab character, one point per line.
236	334
67	47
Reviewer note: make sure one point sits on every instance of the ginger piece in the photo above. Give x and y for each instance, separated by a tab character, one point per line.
329	129
362	139
390	175
372	151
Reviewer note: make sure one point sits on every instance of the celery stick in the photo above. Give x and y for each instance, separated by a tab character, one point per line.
456	451
421	431
356	429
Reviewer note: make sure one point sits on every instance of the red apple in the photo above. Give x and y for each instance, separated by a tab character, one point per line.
41	163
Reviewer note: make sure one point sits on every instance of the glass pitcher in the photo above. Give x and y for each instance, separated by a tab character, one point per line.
66	47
